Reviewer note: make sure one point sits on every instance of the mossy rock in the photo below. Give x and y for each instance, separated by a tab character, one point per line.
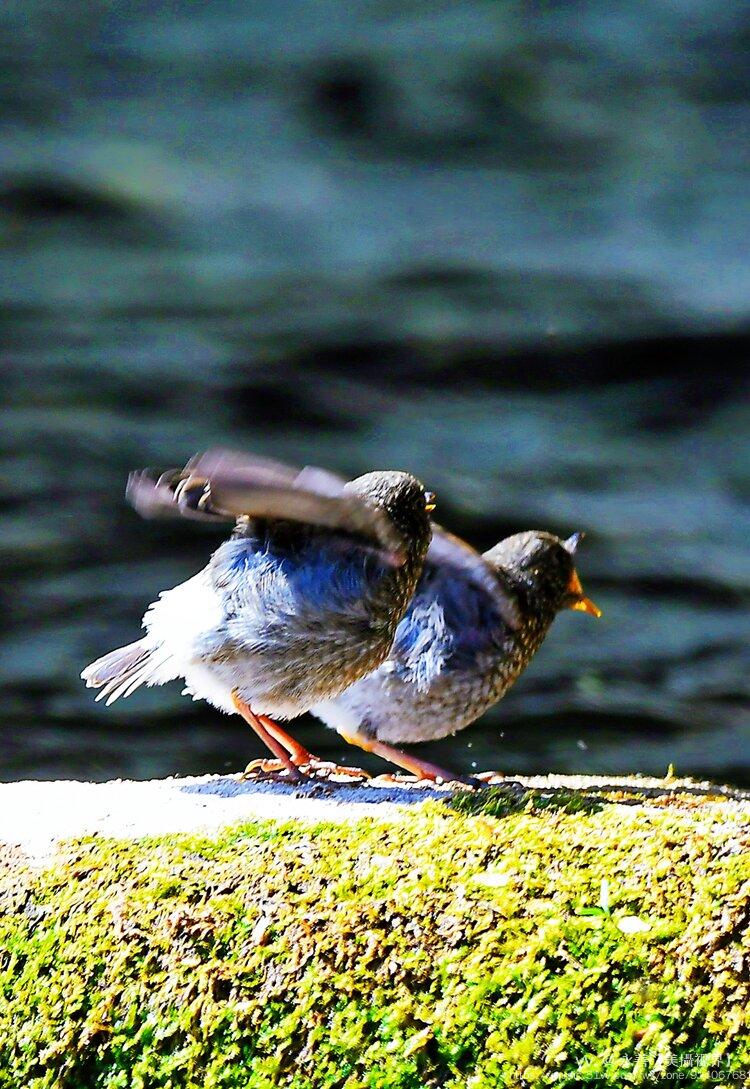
542	943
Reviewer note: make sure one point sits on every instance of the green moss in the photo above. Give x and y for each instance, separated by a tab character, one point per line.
501	801
538	947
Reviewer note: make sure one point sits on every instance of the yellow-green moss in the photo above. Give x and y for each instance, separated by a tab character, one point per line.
534	948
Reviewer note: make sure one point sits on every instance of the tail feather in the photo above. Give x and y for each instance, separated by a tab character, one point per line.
123	670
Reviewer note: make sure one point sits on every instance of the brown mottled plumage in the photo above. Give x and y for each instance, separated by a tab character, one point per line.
473	626
302	601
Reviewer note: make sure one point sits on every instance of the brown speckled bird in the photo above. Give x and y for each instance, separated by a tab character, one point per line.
302	601
473	626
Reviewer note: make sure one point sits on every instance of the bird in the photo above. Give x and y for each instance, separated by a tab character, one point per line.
472	627
301	601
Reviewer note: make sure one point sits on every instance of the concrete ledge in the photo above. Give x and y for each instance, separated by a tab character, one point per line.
35	815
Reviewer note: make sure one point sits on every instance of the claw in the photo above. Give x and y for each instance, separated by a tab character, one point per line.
267	768
326	769
313	769
264	766
392	778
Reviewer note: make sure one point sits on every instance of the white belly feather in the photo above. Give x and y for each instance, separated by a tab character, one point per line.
184	621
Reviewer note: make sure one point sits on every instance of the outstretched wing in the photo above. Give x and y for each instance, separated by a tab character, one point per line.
447	550
223	485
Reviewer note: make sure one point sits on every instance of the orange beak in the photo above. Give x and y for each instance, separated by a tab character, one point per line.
580	602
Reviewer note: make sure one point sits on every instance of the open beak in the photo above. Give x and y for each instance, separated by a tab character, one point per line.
578	599
429	502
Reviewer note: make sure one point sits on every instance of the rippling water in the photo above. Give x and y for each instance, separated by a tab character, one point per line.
506	253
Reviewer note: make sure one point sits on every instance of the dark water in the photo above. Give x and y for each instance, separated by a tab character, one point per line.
508	252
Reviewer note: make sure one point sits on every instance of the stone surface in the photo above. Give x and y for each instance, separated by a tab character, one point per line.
37	816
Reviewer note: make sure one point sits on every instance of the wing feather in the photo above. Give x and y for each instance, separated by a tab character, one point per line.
223	485
448	550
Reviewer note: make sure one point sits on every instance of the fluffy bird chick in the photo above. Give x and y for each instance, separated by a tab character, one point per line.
473	626
302	601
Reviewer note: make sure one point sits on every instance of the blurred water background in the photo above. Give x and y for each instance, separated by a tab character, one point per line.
504	247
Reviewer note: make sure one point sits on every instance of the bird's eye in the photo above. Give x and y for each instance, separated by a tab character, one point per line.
429	501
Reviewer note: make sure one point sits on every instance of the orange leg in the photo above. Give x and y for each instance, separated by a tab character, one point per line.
421	768
297	752
302	758
266	737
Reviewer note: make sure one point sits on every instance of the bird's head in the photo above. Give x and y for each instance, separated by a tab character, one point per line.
541	567
404	499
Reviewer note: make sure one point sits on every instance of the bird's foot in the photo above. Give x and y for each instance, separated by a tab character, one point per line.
394	778
328	770
272	769
313	769
420	769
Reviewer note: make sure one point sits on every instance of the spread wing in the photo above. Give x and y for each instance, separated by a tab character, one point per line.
223	485
447	550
